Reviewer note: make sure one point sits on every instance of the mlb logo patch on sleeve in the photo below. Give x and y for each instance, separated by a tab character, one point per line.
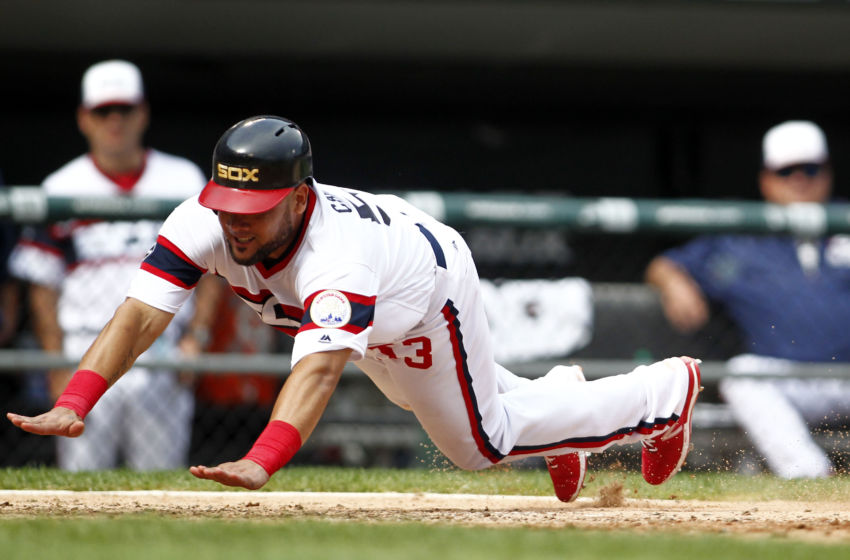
334	309
330	309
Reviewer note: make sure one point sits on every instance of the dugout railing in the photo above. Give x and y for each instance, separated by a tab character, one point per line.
360	427
605	214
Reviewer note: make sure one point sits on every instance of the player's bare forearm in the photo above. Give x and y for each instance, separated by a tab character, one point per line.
307	390
43	309
57	380
301	402
9	297
131	331
682	300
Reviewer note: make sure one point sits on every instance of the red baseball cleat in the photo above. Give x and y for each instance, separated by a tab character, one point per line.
567	472
663	455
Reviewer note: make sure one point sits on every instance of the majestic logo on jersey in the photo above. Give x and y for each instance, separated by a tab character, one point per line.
330	309
242	174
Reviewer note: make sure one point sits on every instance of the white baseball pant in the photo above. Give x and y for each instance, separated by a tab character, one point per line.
479	414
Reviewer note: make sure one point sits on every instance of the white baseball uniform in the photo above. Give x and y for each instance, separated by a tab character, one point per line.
373	274
92	263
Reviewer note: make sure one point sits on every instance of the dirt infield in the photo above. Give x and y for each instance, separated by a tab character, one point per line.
821	521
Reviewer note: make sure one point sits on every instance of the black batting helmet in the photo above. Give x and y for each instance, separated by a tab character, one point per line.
256	163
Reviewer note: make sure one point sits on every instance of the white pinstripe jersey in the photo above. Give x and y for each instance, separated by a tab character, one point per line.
92	262
363	267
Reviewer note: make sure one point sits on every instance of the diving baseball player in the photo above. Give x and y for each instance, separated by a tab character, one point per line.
370	279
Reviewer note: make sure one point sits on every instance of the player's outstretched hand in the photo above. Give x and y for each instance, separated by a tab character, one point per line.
58	421
244	473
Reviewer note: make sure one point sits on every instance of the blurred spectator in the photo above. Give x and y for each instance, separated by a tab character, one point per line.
79	272
790	297
12	386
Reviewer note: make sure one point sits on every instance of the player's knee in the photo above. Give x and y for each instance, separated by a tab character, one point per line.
472	462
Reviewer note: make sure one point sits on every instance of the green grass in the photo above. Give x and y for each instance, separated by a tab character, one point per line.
685	486
148	537
160	536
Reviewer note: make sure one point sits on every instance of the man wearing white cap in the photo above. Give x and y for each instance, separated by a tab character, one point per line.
790	298
79	272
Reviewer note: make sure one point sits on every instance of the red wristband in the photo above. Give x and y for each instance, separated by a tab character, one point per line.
82	392
275	446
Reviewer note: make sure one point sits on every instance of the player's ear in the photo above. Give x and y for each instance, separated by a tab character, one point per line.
301	194
145	112
82	119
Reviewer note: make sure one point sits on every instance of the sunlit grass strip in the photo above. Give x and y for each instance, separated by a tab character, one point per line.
505	481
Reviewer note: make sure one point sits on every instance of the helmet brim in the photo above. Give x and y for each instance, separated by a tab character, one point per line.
240	201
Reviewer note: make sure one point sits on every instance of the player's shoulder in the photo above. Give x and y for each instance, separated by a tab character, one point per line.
335	196
742	248
163	158
169	176
191	211
191	225
328	198
744	244
172	164
323	189
78	174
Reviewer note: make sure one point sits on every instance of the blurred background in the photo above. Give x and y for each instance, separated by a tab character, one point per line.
649	99
658	98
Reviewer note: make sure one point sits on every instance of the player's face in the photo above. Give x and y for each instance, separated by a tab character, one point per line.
252	238
797	183
114	130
